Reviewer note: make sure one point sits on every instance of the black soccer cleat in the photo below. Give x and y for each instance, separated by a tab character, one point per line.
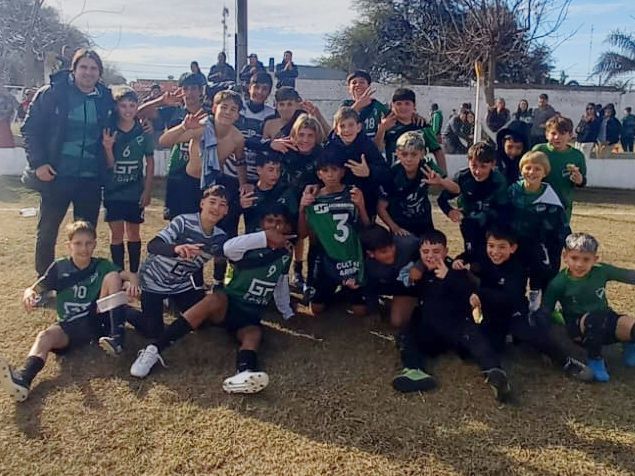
497	379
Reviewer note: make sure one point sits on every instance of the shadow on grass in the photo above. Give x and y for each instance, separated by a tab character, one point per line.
12	191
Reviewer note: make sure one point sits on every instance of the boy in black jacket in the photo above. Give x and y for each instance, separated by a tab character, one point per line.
511	144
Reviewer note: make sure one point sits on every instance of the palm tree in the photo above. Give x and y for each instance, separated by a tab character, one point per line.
617	63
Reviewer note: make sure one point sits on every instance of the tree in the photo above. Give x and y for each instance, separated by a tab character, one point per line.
621	63
112	76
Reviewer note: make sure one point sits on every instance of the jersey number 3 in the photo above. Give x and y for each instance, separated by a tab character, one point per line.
342	231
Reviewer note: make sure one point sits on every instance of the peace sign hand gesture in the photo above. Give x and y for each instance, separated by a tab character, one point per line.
108	139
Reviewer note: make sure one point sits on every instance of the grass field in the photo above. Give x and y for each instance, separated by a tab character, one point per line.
330	408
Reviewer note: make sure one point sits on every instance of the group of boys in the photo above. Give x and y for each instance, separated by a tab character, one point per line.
294	183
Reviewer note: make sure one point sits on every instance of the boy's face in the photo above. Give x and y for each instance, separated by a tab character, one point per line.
305	140
268	174
357	86
500	250
214	208
226	112
409	158
579	263
480	170
127	109
193	94
275	222
559	140
81	247
432	254
331	175
533	174
286	109
403	109
259	93
385	255
512	148
348	129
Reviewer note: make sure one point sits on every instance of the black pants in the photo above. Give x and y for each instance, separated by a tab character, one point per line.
84	194
474	239
627	143
151	322
542	261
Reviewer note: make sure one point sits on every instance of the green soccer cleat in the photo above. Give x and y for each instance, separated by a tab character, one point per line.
413	380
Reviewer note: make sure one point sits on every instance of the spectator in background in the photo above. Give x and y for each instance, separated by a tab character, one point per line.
587	131
470	119
522	118
497	116
599	111
252	67
456	134
540	116
287	71
221	71
24	105
196	69
63	132
436	120
628	130
610	130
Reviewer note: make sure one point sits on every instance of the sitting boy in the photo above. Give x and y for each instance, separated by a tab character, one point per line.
370	110
403	118
258	263
446	319
79	280
333	214
404	205
482	198
387	265
510	147
502	281
538	220
580	288
568	165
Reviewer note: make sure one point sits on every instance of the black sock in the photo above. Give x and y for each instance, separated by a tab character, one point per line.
297	267
220	266
411	358
32	367
134	255
246	360
179	328
118	253
118	324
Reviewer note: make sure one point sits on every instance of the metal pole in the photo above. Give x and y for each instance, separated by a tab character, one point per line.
241	36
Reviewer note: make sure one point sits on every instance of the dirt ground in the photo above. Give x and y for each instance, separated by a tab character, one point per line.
330	408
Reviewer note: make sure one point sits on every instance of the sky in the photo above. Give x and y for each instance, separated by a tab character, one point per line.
151	39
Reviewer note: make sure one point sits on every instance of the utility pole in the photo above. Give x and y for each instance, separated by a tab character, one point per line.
241	36
224	22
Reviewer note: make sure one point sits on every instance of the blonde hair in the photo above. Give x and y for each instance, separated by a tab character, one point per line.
80	226
536	158
305	121
411	141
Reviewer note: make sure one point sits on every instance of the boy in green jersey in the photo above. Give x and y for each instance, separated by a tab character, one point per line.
370	110
259	262
332	215
79	280
568	165
580	288
128	189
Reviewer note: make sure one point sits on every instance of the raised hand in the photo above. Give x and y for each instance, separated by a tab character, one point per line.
174	98
188	251
247	199
283	145
359	169
308	196
310	108
440	268
431	177
455	215
193	121
365	98
389	121
276	239
108	139
357	197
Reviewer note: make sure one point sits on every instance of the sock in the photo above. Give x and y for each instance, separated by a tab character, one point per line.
411	358
178	329
117	252
134	255
297	267
32	367
118	324
220	266
246	360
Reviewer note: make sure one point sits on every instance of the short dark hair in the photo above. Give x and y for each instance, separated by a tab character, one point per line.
261	77
287	51
544	96
263	159
404	94
124	93
287	93
434	237
502	232
376	237
325	160
482	152
216	191
86	53
628	109
359	73
435	106
228	95
276	209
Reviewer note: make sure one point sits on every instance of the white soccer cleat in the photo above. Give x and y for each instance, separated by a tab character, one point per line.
146	358
246	381
18	390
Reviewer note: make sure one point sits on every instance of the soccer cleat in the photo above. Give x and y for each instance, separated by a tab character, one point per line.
110	345
534	300
497	379
12	383
246	381
413	380
600	374
629	354
146	358
577	370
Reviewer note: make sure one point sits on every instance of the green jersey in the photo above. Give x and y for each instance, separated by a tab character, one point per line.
393	134
179	157
77	289
578	296
560	176
371	115
436	122
334	220
125	180
254	269
537	216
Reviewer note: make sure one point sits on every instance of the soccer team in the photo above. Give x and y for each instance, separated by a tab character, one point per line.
353	199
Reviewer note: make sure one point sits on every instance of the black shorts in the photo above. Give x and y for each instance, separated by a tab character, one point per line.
85	330
605	326
240	315
123	211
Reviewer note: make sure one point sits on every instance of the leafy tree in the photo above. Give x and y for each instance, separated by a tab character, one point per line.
621	63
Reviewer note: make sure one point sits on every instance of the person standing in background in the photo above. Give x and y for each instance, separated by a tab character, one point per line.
221	71
587	131
436	120
628	130
287	71
540	116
